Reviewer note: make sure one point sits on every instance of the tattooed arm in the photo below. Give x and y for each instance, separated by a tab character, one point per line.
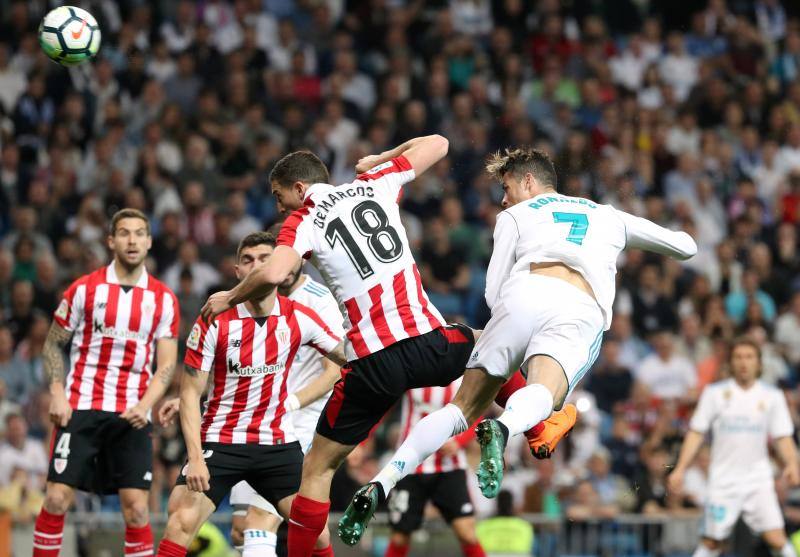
53	356
167	357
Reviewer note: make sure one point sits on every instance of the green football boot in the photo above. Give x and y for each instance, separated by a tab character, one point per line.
359	512
490	469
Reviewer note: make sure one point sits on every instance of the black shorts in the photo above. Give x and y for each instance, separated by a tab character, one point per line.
370	386
274	471
99	451
446	490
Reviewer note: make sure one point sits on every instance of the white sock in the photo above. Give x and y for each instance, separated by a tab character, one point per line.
526	408
259	543
786	551
427	437
703	551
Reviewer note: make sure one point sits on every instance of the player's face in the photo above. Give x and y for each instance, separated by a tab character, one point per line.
516	190
250	257
131	242
288	199
745	363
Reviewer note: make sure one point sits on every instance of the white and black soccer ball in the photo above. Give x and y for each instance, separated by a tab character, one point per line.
69	35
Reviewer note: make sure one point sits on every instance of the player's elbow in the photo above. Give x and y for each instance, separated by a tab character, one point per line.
440	144
688	247
272	275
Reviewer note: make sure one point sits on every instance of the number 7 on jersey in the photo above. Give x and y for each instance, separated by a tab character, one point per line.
580	225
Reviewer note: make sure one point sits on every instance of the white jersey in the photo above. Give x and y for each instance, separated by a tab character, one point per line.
584	235
355	238
308	364
741	422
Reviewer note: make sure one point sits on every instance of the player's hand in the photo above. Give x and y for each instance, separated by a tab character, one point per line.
216	304
197	476
450	448
791	475
168	411
60	410
675	481
367	163
136	416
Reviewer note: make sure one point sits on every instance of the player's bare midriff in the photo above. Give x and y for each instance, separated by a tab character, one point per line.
561	271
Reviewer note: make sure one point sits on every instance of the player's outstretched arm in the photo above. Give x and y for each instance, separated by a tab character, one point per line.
53	359
167	358
691	445
192	387
259	282
319	387
644	234
421	153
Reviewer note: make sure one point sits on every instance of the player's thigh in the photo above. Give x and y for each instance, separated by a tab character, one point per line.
450	495
74	450
127	456
437	358
720	513
406	504
275	471
188	511
762	510
260	519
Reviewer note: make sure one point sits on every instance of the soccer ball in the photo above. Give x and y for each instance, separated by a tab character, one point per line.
69	35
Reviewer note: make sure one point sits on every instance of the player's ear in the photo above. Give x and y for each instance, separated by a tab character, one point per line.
110	241
300	188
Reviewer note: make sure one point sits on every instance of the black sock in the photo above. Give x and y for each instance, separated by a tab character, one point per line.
503	430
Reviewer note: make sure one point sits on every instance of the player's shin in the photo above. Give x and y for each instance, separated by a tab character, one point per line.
138	541
170	549
306	521
259	543
786	551
425	438
47	534
526	408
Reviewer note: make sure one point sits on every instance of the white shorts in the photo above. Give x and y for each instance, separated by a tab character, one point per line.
540	315
242	495
757	504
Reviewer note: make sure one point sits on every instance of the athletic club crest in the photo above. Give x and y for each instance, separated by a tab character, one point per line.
60	464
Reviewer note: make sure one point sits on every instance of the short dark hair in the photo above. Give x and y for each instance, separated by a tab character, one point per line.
300	166
521	161
127	214
744	341
255	239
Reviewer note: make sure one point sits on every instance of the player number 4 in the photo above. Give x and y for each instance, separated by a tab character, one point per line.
62	447
579	222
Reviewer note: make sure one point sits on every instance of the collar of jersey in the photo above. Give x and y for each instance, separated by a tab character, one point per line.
310	191
112	278
242	311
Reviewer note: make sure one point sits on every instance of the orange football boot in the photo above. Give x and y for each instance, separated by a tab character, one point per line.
545	436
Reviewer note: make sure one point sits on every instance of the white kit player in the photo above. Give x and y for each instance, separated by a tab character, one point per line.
309	385
742	414
550	287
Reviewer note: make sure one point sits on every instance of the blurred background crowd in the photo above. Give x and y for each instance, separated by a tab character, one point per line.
687	113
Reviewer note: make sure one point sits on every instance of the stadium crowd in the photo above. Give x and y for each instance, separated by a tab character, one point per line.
685	113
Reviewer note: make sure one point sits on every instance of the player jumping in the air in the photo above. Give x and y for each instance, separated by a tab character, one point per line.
309	385
245	432
396	339
116	317
742	414
550	287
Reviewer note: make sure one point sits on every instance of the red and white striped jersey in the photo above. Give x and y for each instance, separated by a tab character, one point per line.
358	243
114	332
418	403
251	358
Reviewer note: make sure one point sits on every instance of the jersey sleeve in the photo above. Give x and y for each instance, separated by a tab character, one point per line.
69	312
644	234
314	331
506	235
388	178
780	420
170	317
704	413
297	233
201	346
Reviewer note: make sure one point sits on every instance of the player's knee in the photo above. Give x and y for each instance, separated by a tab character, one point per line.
713	545
58	499
135	513
237	534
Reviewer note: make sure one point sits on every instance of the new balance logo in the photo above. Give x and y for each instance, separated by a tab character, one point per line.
236	343
101	305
